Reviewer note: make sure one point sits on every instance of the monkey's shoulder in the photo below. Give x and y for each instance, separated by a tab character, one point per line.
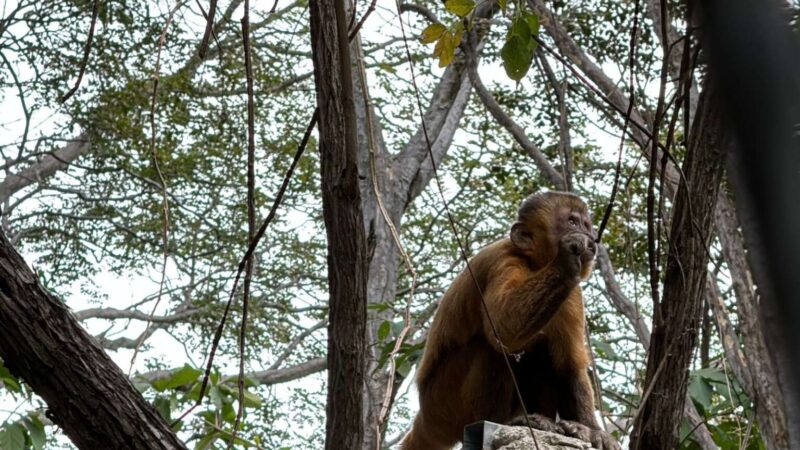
502	252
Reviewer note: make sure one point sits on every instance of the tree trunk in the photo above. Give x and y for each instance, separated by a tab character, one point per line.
341	204
87	394
675	334
762	109
764	388
401	178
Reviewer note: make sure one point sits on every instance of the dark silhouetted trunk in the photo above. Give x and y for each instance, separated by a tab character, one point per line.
87	394
758	76
341	204
675	333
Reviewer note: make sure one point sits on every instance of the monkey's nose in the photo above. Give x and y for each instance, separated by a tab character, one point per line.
591	246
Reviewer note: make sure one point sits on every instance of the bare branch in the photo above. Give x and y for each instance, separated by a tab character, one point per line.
511	126
421	10
86	50
45	168
133	314
620	300
728	337
263	377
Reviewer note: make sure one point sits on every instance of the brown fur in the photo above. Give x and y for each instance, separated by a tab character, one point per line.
530	284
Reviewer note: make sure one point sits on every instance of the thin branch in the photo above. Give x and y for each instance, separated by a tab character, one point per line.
354	31
133	314
251	211
250	250
45	168
263	377
516	131
162	182
373	150
295	342
86	50
631	101
212	10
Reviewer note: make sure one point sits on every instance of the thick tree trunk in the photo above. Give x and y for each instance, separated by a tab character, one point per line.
763	387
87	394
341	204
675	332
763	109
400	178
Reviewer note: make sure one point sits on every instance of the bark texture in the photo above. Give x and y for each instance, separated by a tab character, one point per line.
87	394
344	223
677	321
759	377
402	176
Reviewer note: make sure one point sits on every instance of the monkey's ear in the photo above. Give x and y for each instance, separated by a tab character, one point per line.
521	236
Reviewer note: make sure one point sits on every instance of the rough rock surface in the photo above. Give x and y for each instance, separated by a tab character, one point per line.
519	438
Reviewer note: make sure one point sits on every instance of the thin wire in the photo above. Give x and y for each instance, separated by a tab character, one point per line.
163	185
631	100
242	263
249	253
387	398
251	214
455	231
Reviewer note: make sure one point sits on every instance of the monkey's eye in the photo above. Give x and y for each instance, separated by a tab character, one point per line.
572	222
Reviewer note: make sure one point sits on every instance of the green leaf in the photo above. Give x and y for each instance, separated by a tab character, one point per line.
387	68
7	380
520	28
503	4
35	431
228	413
700	392
432	33
517	57
533	22
458	31
384	329
216	396
404	368
207	441
182	377
12	437
711	374
385	351
163	406
460	8
251	400
606	350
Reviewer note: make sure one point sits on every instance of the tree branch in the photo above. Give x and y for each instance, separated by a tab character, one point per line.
516	131
133	314
263	377
44	168
87	394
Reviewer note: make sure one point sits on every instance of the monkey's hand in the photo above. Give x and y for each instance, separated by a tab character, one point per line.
598	438
574	251
538	422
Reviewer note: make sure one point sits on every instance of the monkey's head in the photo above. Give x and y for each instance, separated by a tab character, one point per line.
543	219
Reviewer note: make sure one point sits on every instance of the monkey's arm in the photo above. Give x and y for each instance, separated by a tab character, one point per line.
576	411
576	399
520	304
